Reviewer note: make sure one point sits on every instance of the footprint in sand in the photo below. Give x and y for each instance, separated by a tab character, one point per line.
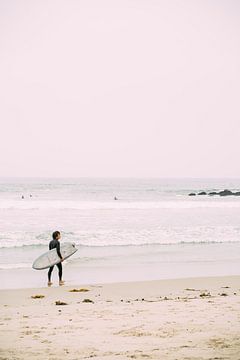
218	343
133	332
30	332
140	356
46	342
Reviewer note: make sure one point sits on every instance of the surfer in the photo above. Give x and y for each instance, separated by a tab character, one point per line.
54	243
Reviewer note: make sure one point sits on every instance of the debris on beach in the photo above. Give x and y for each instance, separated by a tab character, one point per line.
191	289
223	294
79	290
205	294
38	296
186	298
88	301
60	303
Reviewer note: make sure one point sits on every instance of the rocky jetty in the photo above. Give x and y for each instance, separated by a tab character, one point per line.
213	193
225	192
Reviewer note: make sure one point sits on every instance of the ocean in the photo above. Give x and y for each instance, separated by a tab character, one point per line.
154	230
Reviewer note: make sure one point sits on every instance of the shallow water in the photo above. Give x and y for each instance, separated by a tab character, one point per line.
153	231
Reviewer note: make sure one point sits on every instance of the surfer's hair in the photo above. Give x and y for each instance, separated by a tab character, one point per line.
55	234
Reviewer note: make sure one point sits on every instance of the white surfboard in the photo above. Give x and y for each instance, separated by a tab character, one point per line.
51	257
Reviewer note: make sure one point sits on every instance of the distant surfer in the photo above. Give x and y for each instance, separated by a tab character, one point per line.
115	198
55	244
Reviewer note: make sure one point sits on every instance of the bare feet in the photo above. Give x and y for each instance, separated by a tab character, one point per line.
50	283
61	282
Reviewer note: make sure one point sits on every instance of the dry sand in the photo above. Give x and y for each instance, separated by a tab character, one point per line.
166	319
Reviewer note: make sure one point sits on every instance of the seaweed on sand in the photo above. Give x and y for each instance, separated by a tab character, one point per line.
37	296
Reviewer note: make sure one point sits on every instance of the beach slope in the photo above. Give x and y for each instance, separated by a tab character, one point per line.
166	319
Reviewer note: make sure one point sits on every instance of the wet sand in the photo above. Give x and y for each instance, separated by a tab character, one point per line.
195	318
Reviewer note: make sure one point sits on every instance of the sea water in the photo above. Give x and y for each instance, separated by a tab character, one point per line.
154	230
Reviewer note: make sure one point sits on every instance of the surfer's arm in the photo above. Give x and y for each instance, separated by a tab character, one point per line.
58	251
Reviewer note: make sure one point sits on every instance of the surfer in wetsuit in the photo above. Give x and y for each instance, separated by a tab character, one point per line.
55	244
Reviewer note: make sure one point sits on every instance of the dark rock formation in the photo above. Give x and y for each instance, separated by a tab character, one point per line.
225	192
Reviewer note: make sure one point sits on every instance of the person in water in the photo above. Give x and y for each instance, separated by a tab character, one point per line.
55	244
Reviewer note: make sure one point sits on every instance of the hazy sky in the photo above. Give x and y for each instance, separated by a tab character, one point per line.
120	88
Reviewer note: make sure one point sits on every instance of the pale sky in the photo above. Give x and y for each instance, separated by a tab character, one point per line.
120	88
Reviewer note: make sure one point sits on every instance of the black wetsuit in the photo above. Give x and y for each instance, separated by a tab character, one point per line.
55	244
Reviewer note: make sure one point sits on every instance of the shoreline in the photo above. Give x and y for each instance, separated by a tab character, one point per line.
141	264
168	284
190	318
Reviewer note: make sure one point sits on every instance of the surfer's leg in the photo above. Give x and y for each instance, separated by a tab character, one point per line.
50	273
59	265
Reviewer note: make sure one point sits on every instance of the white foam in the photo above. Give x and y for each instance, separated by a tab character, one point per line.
125	237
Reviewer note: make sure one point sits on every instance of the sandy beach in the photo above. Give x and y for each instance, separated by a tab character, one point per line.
166	319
